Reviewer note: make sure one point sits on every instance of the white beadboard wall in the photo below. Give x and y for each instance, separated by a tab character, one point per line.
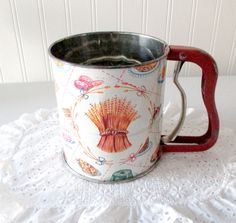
28	27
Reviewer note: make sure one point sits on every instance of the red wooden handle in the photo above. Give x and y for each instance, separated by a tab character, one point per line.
209	78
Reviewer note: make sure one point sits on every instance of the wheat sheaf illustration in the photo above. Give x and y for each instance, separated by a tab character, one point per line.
112	118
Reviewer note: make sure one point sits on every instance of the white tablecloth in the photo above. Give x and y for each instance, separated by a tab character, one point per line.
36	186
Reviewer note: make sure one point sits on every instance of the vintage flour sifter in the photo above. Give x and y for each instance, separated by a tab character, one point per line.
110	91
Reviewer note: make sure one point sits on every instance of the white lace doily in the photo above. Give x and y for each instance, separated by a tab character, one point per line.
184	187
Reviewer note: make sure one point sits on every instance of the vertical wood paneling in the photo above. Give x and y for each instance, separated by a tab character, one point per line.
156	18
29	25
106	15
44	37
192	22
81	17
169	17
188	67
144	16
119	13
132	15
203	30
180	23
93	14
202	36
225	36
68	17
55	23
11	69
1	77
215	24
231	69
178	26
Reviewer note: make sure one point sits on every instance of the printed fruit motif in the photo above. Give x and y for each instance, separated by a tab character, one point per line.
87	168
146	68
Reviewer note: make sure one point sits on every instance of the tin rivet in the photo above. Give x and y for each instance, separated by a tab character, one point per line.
182	56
